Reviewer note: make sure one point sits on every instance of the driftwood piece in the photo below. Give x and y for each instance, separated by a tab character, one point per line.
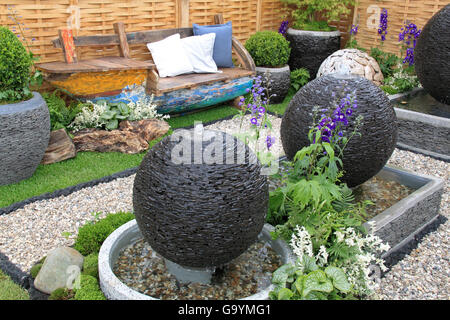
60	147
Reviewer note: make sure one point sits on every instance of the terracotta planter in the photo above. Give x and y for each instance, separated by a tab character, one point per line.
24	136
279	81
310	48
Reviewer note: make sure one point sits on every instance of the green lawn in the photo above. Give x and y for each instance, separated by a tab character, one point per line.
11	291
281	107
87	166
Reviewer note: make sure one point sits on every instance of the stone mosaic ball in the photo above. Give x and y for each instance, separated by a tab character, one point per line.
364	155
353	61
200	202
432	56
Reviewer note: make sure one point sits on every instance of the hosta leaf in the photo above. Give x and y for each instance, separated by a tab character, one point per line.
339	278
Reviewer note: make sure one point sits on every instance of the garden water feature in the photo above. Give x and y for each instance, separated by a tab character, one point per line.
423	123
209	245
423	102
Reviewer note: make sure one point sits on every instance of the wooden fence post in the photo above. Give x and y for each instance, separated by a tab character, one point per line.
258	15
183	13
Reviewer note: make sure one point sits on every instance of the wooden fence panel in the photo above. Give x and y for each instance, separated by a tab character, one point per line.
366	15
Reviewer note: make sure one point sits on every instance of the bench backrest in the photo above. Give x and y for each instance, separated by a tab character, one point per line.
68	43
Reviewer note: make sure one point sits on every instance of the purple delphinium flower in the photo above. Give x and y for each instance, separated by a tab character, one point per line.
409	35
382	28
331	126
354	30
270	141
283	27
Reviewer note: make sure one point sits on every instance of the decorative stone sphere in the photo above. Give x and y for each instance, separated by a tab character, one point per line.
365	155
432	56
355	62
200	202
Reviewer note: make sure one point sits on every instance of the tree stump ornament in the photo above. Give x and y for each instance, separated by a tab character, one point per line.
432	56
200	213
364	155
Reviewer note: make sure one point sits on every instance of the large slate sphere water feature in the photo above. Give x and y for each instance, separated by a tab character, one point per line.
432	56
198	214
364	155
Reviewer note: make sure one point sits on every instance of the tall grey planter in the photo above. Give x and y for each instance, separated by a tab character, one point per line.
24	136
310	48
277	81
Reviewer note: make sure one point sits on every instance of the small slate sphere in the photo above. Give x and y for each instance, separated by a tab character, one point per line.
365	155
432	56
199	198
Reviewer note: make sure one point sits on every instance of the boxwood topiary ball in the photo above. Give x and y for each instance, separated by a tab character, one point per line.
204	206
432	56
364	155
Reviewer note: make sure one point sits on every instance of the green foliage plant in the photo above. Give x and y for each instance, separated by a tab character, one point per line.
308	281
305	13
387	61
268	49
61	115
299	77
92	235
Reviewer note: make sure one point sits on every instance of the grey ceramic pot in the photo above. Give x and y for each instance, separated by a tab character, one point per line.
277	81
310	48
24	136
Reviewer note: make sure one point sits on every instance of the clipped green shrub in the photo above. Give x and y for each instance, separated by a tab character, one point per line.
91	236
268	49
15	67
90	265
89	289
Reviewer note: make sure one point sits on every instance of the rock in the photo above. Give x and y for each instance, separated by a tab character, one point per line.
148	129
109	141
59	270
60	147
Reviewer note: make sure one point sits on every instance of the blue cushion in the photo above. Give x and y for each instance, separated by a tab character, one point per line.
222	44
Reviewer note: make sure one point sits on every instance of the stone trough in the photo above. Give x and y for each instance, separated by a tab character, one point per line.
420	132
398	224
114	289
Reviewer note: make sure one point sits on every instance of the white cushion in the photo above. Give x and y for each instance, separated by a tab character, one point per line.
170	57
199	50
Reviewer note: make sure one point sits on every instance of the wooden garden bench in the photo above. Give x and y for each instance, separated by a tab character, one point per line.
107	76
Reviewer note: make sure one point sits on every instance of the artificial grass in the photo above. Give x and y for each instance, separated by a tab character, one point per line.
87	166
11	291
280	108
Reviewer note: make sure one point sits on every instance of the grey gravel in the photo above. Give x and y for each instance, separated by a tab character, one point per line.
29	233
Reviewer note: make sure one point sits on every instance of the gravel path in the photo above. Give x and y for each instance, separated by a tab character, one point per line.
29	233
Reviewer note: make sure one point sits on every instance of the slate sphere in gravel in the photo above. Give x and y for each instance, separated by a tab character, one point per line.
200	215
364	156
432	56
